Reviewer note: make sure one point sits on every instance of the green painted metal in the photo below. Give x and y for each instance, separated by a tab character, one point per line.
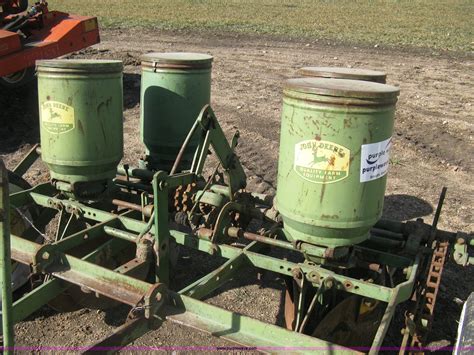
37	298
400	293
214	136
215	279
5	263
343	73
161	230
123	335
81	119
220	323
84	236
258	260
329	130
174	89
243	330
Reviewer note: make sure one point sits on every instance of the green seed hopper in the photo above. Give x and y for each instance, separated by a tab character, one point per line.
119	227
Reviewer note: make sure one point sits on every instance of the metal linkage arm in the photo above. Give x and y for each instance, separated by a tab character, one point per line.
212	134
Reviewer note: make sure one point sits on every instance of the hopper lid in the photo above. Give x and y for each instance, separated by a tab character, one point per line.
82	65
343	88
344	73
178	59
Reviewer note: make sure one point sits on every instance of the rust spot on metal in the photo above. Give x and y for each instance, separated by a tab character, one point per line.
332	160
204	233
348	285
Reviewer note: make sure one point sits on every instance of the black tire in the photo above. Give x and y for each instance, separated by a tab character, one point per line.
18	79
466	328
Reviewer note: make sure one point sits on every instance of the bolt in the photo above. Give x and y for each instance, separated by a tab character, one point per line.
329	283
158	297
45	255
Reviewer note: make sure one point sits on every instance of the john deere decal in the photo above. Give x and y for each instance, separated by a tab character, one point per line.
321	162
57	117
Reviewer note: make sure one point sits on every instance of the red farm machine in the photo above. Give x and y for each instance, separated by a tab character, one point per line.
31	32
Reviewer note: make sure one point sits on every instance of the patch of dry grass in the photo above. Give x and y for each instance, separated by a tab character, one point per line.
441	25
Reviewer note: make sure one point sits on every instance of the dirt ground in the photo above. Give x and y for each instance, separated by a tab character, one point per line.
433	147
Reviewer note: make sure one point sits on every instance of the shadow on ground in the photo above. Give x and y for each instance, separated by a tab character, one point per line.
131	90
405	207
18	117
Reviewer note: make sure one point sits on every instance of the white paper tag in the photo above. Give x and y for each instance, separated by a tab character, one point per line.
374	160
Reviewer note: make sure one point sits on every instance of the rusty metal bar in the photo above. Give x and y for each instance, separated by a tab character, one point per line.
114	285
118	233
41	295
179	157
146	210
239	233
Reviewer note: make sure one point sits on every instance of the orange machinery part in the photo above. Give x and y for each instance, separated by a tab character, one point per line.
61	34
9	42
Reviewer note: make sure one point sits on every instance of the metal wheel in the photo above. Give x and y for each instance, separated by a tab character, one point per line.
347	321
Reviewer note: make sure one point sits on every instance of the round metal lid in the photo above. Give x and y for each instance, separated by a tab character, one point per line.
82	65
343	88
180	59
344	73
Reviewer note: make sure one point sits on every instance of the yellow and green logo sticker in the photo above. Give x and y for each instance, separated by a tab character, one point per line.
57	117
321	162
